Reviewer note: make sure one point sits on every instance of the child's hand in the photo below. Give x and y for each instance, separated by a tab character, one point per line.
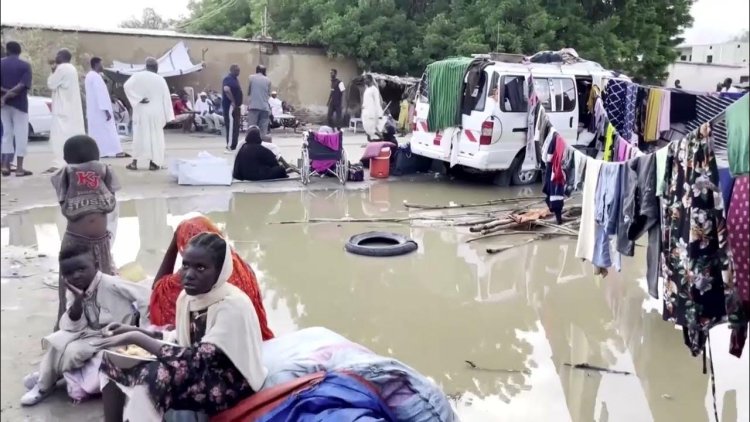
78	293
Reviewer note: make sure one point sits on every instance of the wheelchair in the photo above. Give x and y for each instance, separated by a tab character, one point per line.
323	154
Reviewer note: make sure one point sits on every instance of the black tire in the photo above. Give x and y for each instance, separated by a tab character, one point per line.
520	177
397	244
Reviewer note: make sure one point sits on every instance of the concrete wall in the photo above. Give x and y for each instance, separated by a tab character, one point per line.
299	73
704	77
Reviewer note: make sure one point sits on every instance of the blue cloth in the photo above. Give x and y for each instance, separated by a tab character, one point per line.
410	395
13	71
338	398
619	103
234	85
726	183
607	213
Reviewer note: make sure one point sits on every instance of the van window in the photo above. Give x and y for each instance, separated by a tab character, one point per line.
542	90
565	94
513	95
424	94
482	92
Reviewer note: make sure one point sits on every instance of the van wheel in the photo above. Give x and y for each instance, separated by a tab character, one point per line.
521	177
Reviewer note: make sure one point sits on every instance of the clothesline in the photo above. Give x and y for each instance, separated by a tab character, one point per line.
710	121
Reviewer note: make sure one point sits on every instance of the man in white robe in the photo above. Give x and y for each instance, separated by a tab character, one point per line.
99	113
149	96
372	109
67	111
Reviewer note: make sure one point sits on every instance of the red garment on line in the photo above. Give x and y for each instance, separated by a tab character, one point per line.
168	288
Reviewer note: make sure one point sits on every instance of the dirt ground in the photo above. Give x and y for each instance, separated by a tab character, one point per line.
19	194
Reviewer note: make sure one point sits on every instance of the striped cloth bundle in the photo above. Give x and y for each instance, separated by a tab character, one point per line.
445	79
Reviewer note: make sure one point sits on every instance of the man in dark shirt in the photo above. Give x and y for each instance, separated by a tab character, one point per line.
335	100
15	81
231	100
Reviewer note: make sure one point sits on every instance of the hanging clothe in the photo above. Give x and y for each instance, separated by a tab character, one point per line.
738	224
664	110
707	107
651	130
640	214
609	142
695	239
661	167
607	212
619	102
587	228
554	176
738	136
594	93
580	166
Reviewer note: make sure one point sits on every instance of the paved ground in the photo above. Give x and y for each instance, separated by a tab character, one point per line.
33	191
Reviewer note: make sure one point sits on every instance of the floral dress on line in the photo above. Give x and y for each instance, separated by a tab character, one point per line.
694	240
197	378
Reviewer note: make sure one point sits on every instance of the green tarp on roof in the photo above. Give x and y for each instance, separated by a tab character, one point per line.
445	82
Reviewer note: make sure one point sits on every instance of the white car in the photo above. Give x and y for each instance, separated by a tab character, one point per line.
40	116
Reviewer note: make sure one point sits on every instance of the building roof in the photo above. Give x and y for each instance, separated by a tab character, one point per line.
715	43
168	33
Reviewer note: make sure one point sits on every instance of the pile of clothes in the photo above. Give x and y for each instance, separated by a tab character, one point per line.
315	371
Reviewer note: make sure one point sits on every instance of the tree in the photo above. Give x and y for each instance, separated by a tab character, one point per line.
149	20
637	37
743	37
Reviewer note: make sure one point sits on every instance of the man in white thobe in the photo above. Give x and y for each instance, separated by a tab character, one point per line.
149	96
67	111
372	108
206	114
99	113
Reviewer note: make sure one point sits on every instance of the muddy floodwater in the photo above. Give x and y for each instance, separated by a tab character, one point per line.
519	316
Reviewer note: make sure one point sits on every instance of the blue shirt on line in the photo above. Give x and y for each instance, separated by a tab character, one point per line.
13	71
234	85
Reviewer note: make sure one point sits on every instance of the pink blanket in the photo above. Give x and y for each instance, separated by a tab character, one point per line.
373	149
330	140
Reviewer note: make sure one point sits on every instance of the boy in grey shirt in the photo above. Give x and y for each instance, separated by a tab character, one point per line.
259	91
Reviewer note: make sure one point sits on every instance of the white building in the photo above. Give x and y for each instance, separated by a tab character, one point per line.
729	53
701	67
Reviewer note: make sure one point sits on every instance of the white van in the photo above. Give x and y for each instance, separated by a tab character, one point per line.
492	137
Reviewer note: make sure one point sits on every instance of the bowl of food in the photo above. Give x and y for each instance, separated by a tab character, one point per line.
128	357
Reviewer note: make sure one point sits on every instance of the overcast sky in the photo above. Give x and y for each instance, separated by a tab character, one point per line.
715	20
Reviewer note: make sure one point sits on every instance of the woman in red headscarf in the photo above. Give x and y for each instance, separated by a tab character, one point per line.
168	285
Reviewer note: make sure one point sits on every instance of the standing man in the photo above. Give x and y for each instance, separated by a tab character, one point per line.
148	94
99	113
67	111
335	100
231	100
259	91
15	82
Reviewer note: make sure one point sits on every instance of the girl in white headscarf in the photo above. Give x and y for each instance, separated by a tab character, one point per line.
216	361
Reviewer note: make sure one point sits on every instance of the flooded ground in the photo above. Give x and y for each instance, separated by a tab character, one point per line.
531	309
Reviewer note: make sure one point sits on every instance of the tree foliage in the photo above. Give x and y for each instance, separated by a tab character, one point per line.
402	36
149	20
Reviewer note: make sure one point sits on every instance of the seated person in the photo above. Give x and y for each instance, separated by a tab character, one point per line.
168	285
182	113
94	300
206	115
255	161
216	362
277	110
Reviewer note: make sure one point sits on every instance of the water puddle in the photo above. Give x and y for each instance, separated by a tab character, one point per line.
518	317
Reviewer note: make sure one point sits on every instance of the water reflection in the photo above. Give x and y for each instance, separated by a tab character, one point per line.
533	308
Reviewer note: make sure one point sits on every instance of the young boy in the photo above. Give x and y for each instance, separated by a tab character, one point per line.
94	300
86	191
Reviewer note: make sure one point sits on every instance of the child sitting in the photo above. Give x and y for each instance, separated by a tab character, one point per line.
94	300
86	191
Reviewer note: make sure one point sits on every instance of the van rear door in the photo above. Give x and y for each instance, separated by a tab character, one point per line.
424	140
478	124
559	97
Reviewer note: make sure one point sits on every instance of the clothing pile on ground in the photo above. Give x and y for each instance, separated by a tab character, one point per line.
365	385
695	214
